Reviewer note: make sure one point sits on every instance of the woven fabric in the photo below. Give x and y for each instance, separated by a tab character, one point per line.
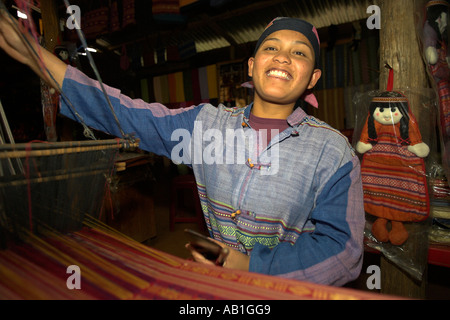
394	182
444	107
113	266
96	22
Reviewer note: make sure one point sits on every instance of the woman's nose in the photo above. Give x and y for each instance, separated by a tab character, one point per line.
282	57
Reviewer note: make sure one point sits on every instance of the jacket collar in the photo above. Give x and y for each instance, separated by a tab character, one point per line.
294	119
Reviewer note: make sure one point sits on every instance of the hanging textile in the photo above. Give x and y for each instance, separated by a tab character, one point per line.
116	13
165	89
212	81
157	89
148	57
95	21
144	90
129	17
196	91
179	87
203	78
172	53
172	88
167	11
188	87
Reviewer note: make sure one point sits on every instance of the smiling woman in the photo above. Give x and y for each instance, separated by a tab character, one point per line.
291	55
294	207
282	69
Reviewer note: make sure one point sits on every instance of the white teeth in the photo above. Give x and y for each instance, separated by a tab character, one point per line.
278	74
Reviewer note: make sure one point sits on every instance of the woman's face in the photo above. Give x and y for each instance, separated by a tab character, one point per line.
389	115
283	67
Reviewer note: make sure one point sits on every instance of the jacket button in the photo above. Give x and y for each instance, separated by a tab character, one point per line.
233	215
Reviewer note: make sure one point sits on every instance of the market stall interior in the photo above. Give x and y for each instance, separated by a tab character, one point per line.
179	53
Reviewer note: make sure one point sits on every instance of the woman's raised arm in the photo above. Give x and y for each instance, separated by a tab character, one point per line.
12	41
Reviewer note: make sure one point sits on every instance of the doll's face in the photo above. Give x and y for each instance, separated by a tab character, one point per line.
387	115
64	55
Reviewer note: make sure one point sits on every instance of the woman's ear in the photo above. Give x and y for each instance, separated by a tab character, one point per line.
317	73
251	60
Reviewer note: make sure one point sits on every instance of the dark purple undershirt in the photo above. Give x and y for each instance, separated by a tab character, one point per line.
258	124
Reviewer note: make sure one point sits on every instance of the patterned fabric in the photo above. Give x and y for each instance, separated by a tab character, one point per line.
346	70
394	183
440	72
394	179
113	266
95	22
184	89
444	107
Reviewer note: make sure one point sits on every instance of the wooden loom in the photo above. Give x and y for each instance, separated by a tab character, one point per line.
53	184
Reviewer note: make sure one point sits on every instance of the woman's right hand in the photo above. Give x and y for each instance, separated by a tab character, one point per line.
12	42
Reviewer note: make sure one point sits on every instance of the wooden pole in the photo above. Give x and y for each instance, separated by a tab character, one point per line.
50	24
399	46
400	49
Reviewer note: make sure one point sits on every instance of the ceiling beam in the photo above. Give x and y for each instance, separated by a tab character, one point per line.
206	22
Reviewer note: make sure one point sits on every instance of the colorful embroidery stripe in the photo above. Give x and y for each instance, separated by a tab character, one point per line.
220	224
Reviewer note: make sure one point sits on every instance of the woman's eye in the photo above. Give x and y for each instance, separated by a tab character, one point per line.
381	110
270	48
393	109
299	53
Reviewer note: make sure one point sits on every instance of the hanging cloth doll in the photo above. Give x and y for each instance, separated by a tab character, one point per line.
392	168
435	50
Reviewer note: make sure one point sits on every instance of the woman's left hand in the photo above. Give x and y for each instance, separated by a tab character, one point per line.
234	260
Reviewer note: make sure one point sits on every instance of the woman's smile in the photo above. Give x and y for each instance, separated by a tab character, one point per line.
279	74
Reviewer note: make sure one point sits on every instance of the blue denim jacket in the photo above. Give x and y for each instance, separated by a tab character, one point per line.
295	207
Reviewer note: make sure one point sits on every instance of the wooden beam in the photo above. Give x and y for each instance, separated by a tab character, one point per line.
206	23
219	30
399	48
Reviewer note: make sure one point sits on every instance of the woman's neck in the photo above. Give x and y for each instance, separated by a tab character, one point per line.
272	110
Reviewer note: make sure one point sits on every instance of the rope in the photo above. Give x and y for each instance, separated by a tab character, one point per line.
94	68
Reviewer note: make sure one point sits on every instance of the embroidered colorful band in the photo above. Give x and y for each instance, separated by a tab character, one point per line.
390	99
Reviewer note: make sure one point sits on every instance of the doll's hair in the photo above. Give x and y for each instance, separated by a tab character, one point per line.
389	99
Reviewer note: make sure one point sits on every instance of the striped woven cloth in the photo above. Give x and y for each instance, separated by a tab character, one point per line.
113	266
444	107
394	182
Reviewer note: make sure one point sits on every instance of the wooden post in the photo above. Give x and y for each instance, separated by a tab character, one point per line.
50	23
400	48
